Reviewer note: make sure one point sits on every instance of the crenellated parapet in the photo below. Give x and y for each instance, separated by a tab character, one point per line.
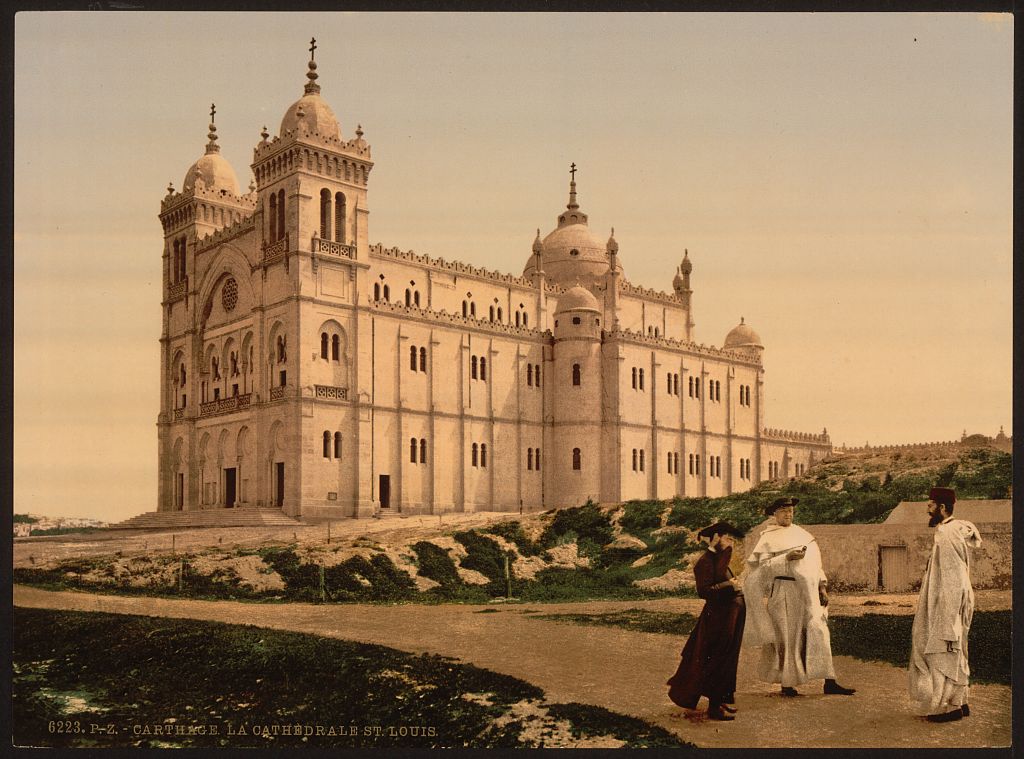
647	293
843	449
690	347
203	204
457	267
771	434
239	227
273	159
444	317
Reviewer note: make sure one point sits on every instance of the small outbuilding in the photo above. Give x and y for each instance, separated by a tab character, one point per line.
891	556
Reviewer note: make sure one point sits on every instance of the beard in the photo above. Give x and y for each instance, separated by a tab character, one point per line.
935	519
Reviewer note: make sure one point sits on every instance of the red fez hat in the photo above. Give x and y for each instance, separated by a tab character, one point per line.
779	503
943	496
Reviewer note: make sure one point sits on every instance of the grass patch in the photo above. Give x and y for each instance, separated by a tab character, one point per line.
131	674
636	620
886	638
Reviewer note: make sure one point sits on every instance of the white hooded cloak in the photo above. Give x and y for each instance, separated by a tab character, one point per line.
945	607
785	616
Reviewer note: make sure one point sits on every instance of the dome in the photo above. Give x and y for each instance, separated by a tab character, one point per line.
317	115
742	336
212	171
311	109
577	298
215	173
571	253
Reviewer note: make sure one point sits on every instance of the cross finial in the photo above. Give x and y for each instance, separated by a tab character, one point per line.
312	48
572	171
213	111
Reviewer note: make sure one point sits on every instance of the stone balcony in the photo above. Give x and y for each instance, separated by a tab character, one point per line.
319	245
177	290
225	405
275	251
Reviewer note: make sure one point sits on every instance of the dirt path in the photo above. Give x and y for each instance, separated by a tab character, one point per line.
613	668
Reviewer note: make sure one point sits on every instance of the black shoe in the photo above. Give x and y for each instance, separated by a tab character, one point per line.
716	712
965	710
729	708
789	692
832	688
952	716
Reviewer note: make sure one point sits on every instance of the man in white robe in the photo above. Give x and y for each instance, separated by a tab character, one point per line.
787	600
945	606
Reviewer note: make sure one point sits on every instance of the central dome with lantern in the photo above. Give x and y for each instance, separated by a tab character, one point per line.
212	172
572	254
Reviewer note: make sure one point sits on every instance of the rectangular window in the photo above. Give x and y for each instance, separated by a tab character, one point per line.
216	393
184	400
283	378
234	389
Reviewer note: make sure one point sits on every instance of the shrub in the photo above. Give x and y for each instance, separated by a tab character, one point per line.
486	557
588	522
513	532
641	517
435	564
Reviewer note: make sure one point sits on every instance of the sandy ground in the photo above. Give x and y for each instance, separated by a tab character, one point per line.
617	669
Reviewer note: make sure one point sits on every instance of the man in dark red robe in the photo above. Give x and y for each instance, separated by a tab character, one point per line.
711	653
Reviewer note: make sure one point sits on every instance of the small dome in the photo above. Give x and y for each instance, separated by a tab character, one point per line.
577	298
316	114
677	281
742	336
214	171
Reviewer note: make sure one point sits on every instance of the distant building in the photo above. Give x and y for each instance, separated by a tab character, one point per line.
22	529
303	368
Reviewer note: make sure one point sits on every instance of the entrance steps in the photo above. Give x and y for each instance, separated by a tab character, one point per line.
238	517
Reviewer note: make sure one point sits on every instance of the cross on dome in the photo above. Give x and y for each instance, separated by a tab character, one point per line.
212	146
573	205
312	48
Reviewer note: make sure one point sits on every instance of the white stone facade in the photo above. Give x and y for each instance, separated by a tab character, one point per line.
303	368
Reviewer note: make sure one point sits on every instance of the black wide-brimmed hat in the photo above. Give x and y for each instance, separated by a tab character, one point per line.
779	503
720	528
943	496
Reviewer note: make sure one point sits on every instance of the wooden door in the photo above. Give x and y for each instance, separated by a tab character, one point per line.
894	569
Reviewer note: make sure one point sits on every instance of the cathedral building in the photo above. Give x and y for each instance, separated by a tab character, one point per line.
304	369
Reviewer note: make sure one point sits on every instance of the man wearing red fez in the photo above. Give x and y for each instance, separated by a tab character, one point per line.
945	606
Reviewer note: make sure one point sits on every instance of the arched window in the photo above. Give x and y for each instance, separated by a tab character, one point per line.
536	375
576	464
718	466
412	450
412	357
483	454
718	390
641	459
691	463
748	395
387	294
416	298
280	214
634	459
476	454
634	378
525	322
657	332
472	367
517	318
675	383
675	458
281	355
376	291
696	387
472	310
408	297
335	348
423	359
325	214
465	309
499	313
181	375
641	379
490	315
576	374
327	444
339	217
483	368
423	450
273	217
529	459
536	460
337	445
529	375
323	345
696	463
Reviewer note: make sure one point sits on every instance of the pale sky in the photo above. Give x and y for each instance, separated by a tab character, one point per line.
842	181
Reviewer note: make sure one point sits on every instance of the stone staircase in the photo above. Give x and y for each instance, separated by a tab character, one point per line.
239	517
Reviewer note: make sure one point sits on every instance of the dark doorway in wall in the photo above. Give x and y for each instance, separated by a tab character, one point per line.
279	484
230	487
385	491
